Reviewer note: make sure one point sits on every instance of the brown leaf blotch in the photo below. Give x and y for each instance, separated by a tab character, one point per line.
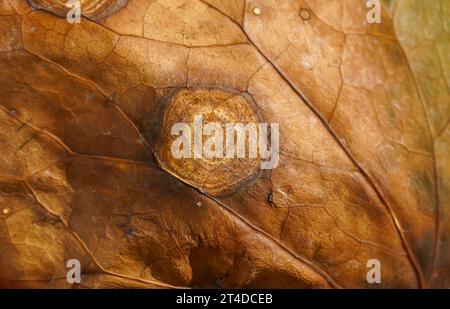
216	176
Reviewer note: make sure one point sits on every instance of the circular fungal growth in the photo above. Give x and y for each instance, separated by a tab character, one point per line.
207	139
304	14
92	9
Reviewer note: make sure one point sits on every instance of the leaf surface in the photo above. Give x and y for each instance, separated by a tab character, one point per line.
363	111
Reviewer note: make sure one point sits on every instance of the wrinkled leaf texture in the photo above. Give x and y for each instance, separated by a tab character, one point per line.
364	167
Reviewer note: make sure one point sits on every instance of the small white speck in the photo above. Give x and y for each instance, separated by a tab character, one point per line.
308	61
5	211
257	10
199	204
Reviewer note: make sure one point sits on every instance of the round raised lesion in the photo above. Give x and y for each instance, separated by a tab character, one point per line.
207	163
92	9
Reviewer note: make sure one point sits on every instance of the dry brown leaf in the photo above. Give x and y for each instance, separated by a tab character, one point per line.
364	141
